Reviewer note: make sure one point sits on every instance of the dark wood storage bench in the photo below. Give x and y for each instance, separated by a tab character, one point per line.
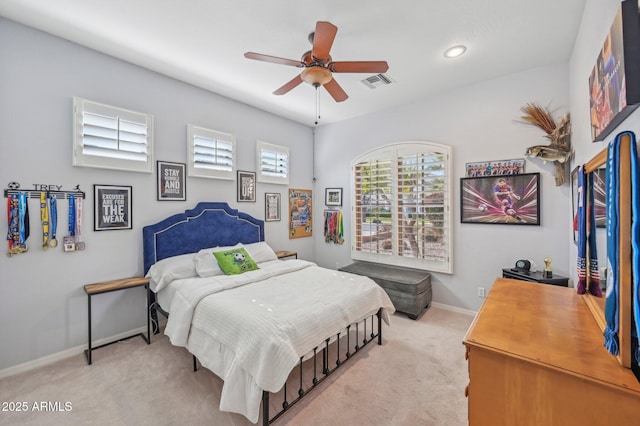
408	289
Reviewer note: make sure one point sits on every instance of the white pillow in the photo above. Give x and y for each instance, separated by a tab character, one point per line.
260	252
166	270
206	263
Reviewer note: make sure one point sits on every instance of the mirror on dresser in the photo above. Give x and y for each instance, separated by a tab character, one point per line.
596	304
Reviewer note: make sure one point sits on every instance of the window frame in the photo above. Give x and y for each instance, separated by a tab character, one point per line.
390	153
81	159
194	131
265	178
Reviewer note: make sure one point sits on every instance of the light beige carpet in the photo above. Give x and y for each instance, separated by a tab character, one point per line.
417	377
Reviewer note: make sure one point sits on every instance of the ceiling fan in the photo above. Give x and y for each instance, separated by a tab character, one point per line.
318	65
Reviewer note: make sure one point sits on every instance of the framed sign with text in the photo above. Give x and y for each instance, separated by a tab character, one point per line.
171	181
111	207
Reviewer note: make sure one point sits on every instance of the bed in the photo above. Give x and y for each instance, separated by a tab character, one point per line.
252	319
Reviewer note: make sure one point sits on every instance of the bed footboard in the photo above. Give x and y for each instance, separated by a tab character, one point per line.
333	357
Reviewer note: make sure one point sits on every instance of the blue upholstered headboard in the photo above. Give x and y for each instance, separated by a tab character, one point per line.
207	225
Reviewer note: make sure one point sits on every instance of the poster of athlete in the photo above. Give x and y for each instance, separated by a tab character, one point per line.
512	200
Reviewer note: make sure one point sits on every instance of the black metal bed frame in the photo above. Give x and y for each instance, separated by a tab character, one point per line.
340	359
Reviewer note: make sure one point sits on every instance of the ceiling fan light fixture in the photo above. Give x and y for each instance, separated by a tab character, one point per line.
455	51
316	75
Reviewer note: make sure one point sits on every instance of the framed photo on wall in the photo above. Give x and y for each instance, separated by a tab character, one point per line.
246	186
300	213
271	207
333	196
112	207
614	83
510	200
171	181
492	168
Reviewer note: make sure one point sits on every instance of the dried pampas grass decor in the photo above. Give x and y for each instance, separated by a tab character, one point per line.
559	135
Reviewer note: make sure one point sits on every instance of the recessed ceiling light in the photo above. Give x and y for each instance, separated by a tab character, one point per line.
455	51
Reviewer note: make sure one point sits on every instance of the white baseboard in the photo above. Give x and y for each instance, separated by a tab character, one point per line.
454	309
67	353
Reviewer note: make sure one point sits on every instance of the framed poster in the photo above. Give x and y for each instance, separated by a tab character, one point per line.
614	82
492	168
300	208
111	207
246	186
333	196
271	207
511	200
171	181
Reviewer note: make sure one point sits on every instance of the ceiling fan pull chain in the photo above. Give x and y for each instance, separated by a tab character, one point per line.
317	104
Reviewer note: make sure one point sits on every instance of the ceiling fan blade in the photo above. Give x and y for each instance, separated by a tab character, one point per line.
335	90
274	59
359	66
288	86
323	40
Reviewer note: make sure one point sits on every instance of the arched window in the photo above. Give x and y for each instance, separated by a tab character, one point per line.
401	213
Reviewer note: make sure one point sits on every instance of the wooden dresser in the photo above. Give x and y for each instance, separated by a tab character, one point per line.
536	357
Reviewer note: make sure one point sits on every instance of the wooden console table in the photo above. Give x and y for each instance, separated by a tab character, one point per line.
115	285
536	357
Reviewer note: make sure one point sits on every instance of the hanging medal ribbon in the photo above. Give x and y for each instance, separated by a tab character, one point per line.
23	222
70	240
13	219
53	220
78	233
72	215
44	218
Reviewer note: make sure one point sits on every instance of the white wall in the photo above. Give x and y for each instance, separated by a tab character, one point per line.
43	308
479	122
596	22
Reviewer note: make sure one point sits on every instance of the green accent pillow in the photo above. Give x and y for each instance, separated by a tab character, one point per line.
235	261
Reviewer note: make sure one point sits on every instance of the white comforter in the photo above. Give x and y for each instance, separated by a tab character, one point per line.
288	308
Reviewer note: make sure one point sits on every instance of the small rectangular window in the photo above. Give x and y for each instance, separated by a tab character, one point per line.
111	138
210	153
273	163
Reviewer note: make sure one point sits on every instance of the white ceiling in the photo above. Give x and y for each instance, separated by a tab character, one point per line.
202	42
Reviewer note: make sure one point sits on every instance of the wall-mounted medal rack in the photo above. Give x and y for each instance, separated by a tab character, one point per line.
52	190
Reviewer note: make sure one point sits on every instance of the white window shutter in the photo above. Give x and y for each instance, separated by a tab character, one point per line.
210	153
401	211
272	163
111	138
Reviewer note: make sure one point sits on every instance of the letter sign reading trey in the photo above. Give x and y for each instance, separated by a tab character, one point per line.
111	207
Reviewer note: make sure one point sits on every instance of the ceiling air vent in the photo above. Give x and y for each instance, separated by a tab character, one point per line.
376	80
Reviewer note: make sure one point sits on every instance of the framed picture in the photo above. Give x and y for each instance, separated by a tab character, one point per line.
511	200
111	207
492	168
300	213
333	196
271	207
171	181
246	186
614	83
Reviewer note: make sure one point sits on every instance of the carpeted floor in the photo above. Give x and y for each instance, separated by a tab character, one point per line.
417	377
